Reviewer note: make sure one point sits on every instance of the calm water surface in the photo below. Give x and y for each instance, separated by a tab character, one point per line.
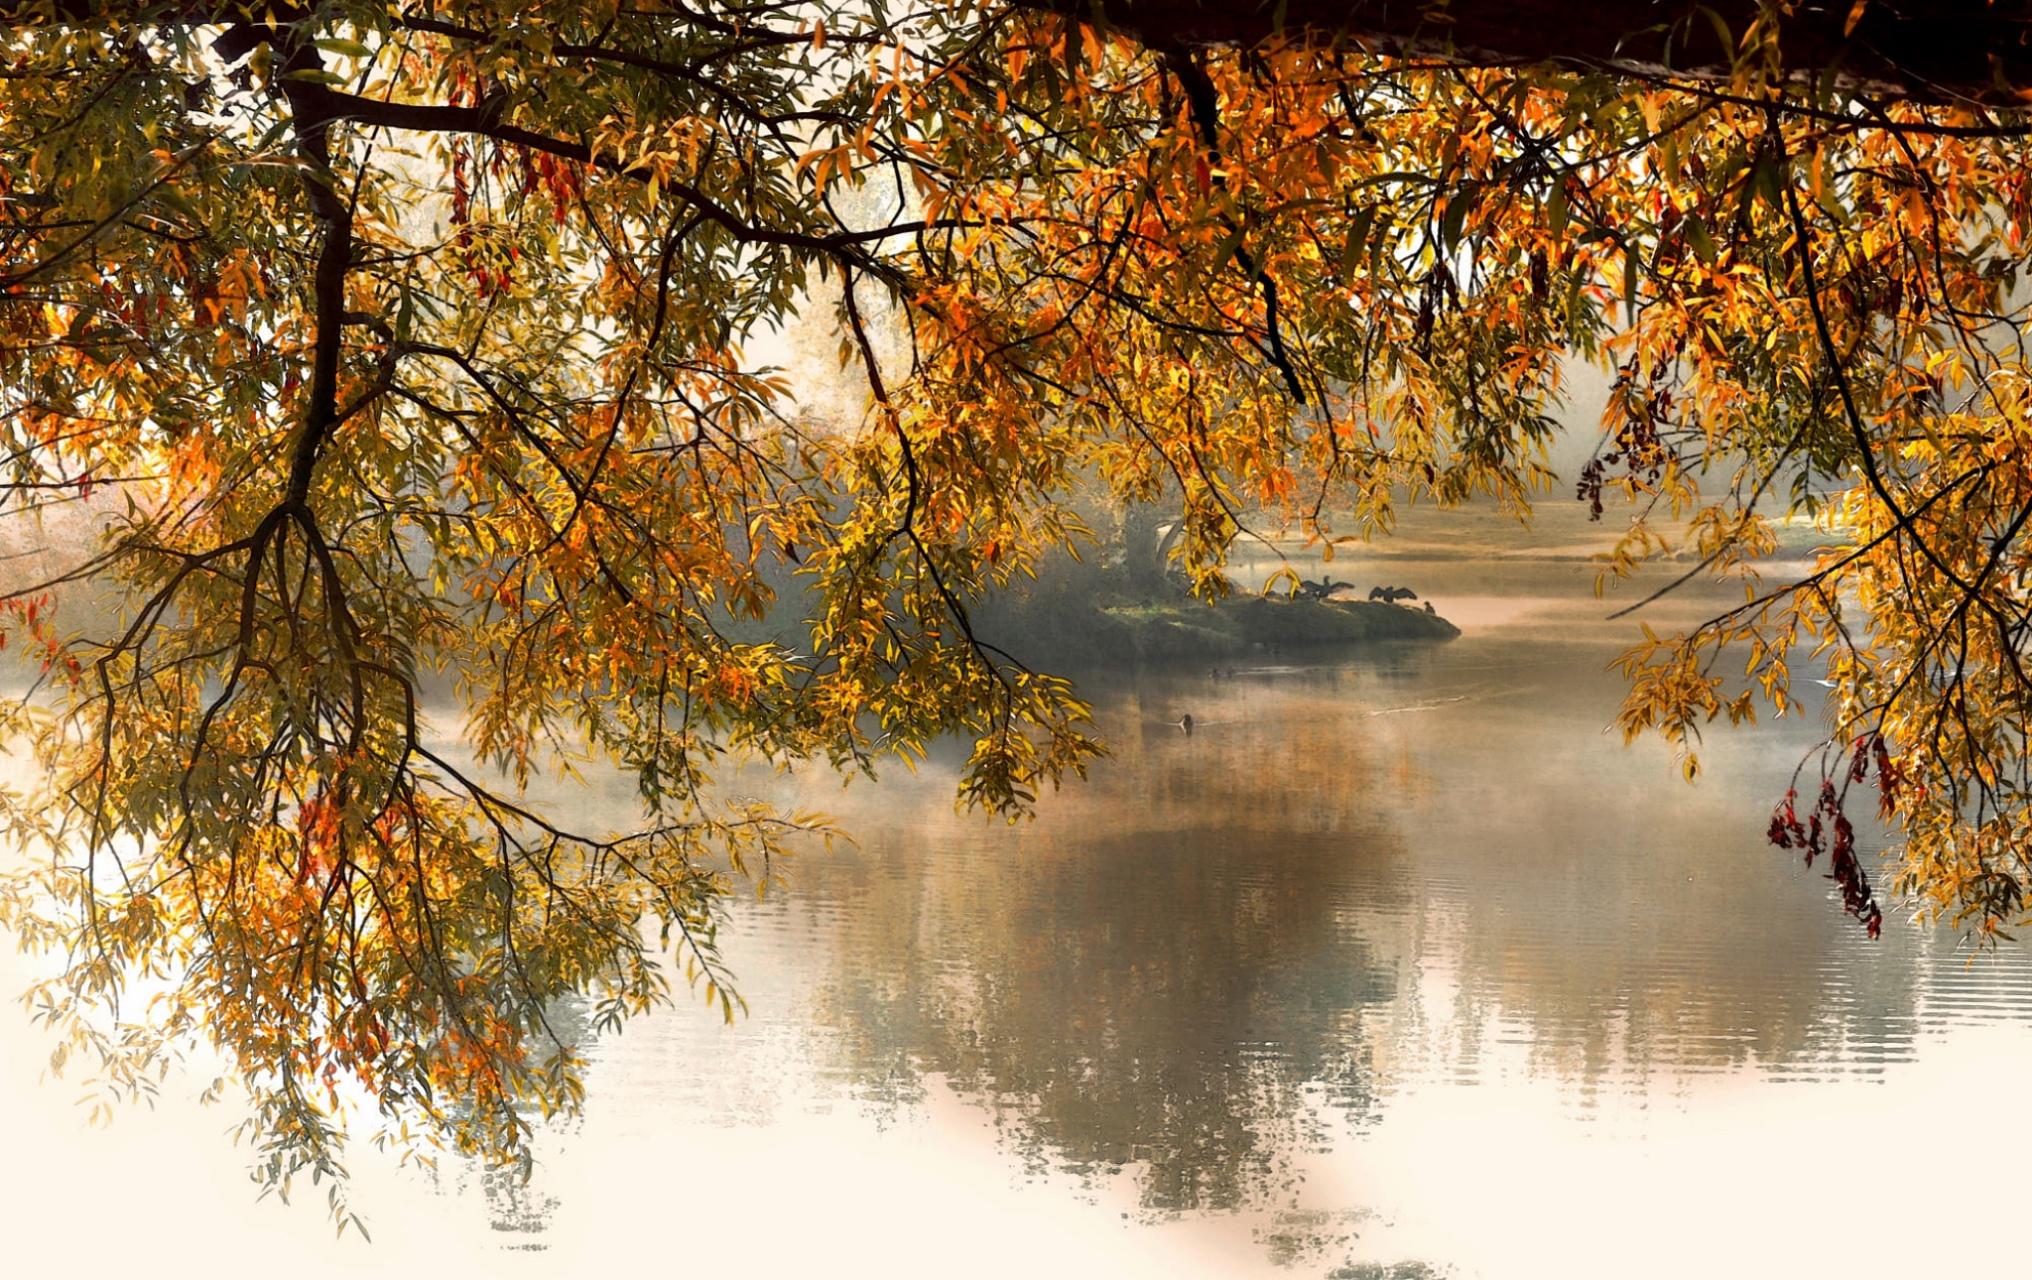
1397	967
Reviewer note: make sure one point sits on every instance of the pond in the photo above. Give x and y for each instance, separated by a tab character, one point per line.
1397	966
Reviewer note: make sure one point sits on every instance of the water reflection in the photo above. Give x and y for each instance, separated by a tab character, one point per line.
1346	877
1397	968
1168	969
1218	967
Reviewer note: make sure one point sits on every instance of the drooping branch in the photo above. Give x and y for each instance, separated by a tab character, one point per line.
326	106
1205	105
313	123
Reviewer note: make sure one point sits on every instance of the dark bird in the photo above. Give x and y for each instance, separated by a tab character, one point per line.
1185	724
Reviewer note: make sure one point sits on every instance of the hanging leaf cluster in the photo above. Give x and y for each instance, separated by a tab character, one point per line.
404	357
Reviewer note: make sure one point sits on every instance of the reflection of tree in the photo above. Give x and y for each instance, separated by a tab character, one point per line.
1163	1004
1616	926
1157	973
1184	962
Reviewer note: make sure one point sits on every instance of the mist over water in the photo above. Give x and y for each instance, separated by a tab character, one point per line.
1232	994
1397	966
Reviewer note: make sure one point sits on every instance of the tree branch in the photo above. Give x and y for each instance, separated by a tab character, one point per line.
1199	91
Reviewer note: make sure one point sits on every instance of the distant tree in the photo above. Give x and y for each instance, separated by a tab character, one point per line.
411	338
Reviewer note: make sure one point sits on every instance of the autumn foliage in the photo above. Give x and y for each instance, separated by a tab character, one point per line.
412	344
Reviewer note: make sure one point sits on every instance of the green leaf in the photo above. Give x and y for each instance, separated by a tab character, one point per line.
1721	30
1457	213
1633	275
1697	237
1358	238
1226	248
1555	208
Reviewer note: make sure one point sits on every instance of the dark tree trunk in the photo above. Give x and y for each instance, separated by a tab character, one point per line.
1937	50
1149	530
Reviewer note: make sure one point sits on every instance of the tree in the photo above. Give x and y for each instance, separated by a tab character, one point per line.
410	341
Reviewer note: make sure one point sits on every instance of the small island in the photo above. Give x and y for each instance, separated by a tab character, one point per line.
1120	627
1246	624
